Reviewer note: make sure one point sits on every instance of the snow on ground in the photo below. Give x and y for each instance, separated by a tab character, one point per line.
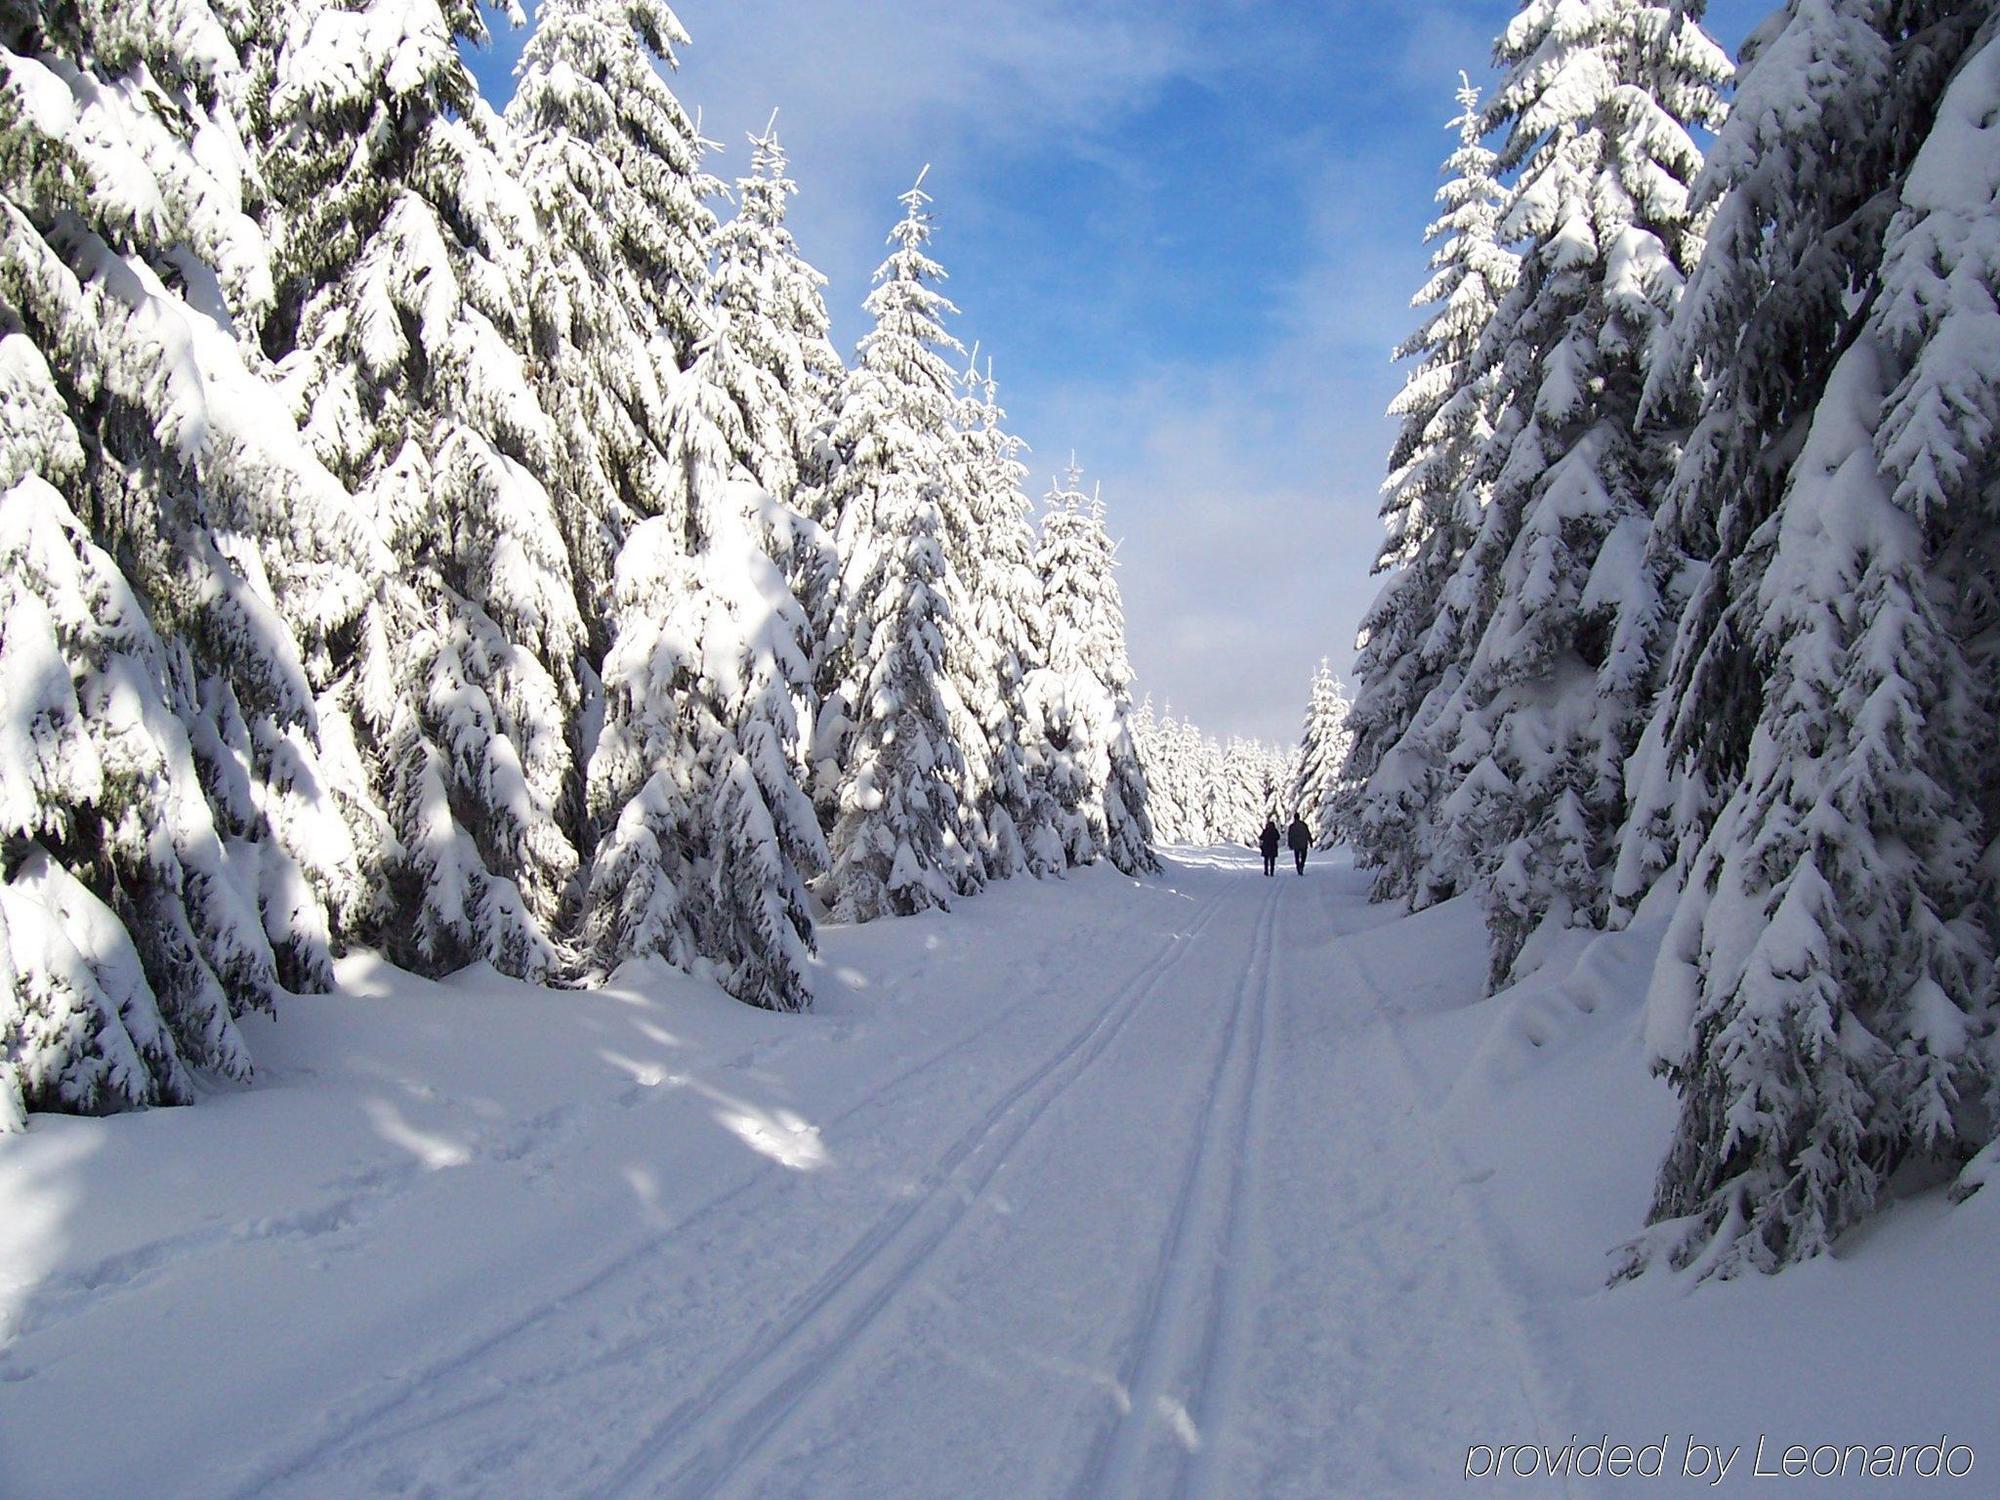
1209	1185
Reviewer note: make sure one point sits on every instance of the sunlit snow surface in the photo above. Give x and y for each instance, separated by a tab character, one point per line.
1206	1185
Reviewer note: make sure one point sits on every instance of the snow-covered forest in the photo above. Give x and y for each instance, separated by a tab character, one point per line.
453	533
1205	792
1688	615
745	991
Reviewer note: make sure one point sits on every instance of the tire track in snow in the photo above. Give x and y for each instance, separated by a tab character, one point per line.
345	1432
745	1404
1203	1255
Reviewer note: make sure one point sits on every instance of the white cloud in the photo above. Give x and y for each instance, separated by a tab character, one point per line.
1245	496
869	94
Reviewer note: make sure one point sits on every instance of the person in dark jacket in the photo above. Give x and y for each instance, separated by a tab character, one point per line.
1299	838
1268	842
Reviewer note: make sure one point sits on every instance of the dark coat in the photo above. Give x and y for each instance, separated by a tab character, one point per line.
1298	836
1268	841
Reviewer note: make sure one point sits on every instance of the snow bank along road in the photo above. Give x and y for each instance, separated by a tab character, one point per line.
1100	1188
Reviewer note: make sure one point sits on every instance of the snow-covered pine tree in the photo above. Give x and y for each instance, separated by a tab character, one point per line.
401	314
126	947
1061	725
1794	186
899	844
775	306
1196	759
645	775
1319	790
1598	101
649	778
1823	994
1082	699
1209	790
758	928
1207	793
1128	822
1174	778
1412	634
1121	775
699	849
889	767
708	835
1281	775
618	277
972	660
173	848
1004	598
1166	778
1146	740
1237	804
1159	741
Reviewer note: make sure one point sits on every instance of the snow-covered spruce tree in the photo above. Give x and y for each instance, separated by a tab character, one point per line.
1794	186
708	835
1598	103
1146	740
617	278
1207	793
1172	753
1159	741
899	844
1004	600
1413	632
402	320
1281	777
1237	804
1210	791
1061	728
1082	699
1128	823
613	164
126	947
774	304
972	663
1822	1000
645	777
172	850
1320	792
889	767
1182	767
1198	758
700	837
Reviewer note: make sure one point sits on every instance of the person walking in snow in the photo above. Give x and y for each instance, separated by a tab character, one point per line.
1299	837
1268	842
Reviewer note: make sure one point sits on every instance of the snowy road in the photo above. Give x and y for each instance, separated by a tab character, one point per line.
1124	1196
1098	1188
1184	1250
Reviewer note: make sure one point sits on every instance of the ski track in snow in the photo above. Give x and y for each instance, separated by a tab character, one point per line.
1190	1289
366	1427
742	1406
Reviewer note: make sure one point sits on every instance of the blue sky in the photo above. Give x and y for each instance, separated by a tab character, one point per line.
1187	233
